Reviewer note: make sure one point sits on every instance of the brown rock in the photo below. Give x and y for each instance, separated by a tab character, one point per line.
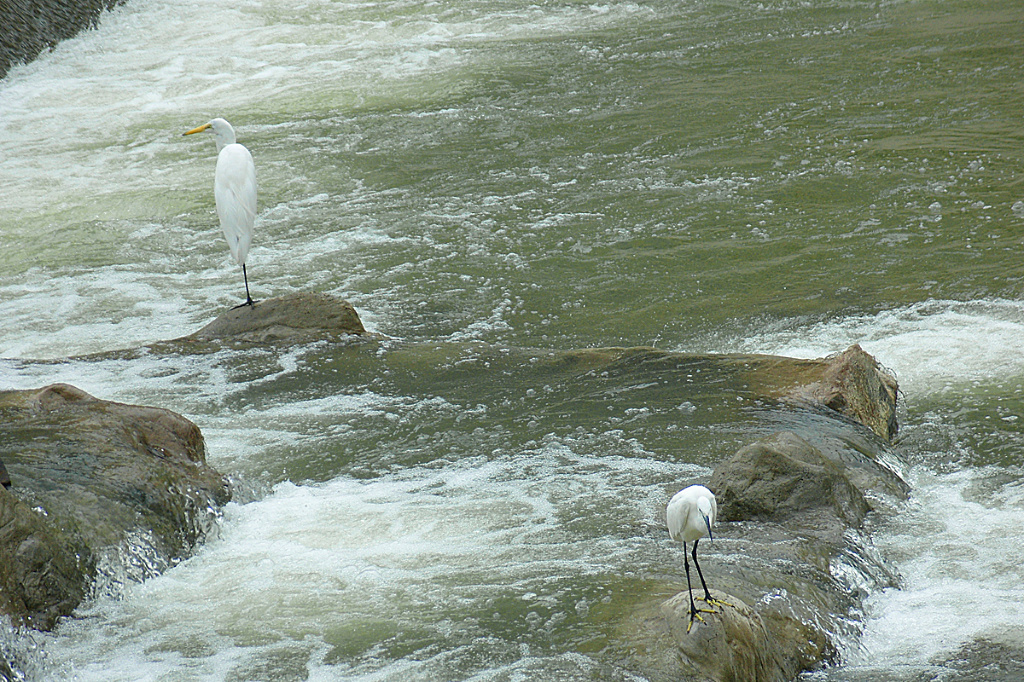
854	384
295	318
732	644
91	474
782	476
736	643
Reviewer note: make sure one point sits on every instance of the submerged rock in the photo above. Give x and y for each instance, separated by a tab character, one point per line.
998	657
295	318
93	478
851	384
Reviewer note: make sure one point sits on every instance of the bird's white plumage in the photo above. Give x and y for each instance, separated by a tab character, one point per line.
691	514
234	191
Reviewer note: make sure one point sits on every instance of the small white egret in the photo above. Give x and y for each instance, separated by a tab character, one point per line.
234	190
691	514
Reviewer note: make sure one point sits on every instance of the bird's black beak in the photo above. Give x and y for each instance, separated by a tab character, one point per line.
707	522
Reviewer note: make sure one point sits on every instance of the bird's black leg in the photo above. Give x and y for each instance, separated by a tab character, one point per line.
248	299
694	611
707	594
689	590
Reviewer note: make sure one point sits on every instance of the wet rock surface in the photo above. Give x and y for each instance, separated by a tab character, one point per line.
788	508
783	476
999	658
92	478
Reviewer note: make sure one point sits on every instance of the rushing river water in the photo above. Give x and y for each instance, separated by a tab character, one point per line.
779	177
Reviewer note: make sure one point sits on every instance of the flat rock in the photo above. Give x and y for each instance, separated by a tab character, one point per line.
295	318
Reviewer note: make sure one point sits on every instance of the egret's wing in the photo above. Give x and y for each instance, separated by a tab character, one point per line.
234	189
675	515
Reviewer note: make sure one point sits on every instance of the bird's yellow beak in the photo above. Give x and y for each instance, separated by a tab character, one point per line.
197	130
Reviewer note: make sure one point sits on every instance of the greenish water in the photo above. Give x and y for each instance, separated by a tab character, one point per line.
780	177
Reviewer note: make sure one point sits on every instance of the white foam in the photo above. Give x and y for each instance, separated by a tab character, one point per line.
50	315
103	113
423	551
963	570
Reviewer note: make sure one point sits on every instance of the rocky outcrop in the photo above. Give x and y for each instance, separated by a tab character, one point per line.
27	27
92	479
855	385
792	505
787	502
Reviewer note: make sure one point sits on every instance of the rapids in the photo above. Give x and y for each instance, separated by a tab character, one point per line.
775	177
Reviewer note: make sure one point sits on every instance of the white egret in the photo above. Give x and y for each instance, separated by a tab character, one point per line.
234	190
691	514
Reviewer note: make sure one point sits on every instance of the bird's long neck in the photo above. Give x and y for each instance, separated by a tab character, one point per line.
224	138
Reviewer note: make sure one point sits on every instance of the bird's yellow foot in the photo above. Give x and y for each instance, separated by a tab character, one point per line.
711	601
695	615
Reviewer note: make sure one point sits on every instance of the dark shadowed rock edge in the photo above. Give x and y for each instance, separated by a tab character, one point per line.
106	472
27	27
